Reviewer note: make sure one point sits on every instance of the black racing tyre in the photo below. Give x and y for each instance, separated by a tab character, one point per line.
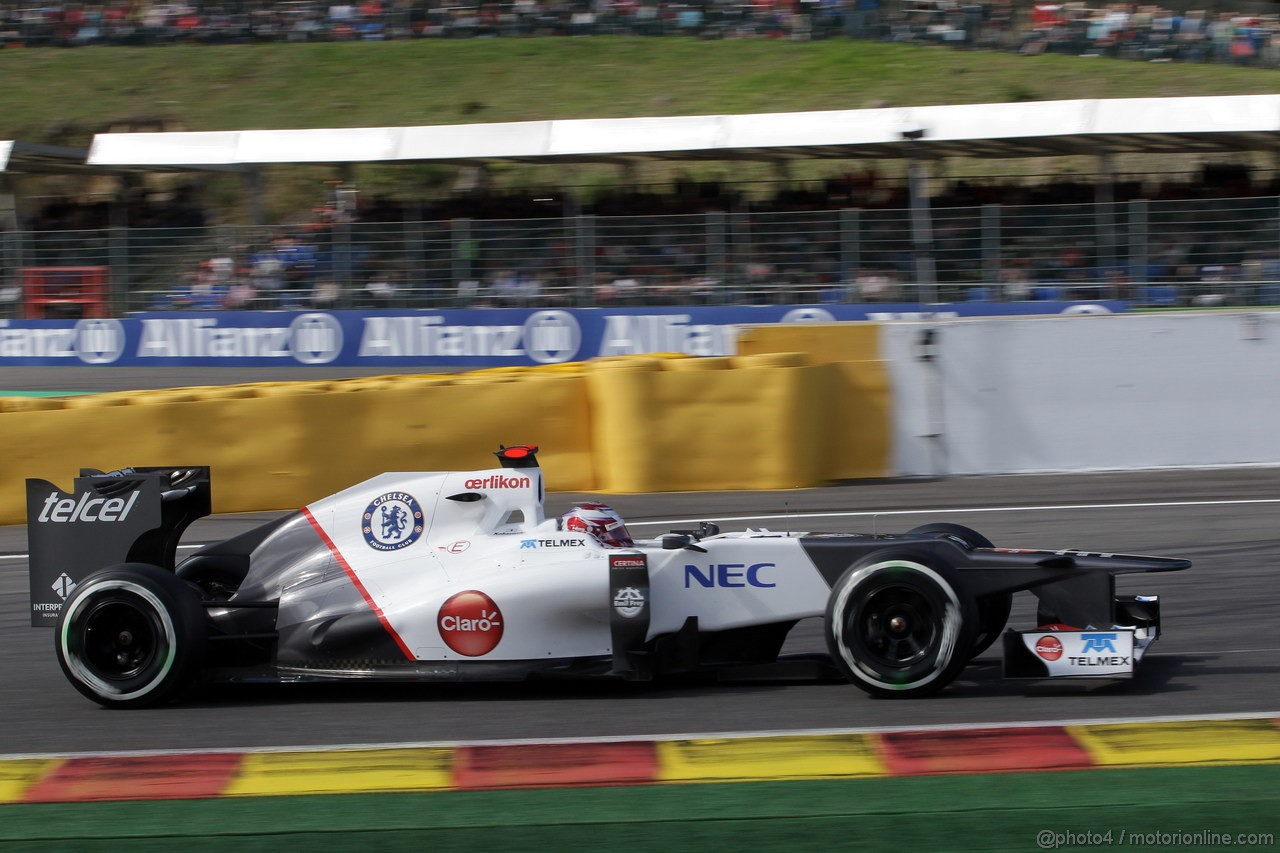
131	636
993	610
966	537
900	624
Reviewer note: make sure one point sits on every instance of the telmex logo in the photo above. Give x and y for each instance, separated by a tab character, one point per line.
62	510
497	481
1098	643
729	575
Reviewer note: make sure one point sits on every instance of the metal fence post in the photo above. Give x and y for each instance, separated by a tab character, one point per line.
717	250
1139	251
991	244
584	258
850	248
462	253
118	285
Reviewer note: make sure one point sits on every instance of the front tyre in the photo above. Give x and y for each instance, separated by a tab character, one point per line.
993	609
900	624
130	636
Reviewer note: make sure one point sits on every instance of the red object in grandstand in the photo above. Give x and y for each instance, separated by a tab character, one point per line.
1046	15
61	293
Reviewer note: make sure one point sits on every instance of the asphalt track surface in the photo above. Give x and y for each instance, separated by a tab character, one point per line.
1219	655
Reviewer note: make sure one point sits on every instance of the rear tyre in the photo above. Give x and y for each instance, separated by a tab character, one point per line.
900	624
131	636
993	610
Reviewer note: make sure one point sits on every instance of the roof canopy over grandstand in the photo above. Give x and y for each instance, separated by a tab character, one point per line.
32	157
1039	129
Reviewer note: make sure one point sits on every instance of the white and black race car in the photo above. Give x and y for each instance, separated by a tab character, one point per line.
460	576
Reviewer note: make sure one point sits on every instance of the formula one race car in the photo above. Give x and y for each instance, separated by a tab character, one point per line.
459	576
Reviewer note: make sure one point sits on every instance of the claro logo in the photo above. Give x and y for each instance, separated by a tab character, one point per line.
62	510
470	623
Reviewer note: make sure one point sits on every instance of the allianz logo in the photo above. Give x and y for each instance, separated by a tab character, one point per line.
311	338
92	341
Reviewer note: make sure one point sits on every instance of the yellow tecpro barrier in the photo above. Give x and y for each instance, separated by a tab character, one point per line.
282	445
749	422
773	420
857	412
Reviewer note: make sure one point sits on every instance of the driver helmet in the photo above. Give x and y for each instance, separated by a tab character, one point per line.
601	522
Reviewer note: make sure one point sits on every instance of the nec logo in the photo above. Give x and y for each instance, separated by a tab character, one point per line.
88	508
731	575
1098	643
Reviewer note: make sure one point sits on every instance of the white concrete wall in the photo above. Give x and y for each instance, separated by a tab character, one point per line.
1079	393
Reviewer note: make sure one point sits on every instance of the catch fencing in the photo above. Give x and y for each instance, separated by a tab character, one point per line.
1150	253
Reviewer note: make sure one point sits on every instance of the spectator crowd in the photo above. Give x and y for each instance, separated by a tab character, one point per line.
1123	30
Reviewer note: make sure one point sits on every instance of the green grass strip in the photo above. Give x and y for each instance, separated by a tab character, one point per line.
953	813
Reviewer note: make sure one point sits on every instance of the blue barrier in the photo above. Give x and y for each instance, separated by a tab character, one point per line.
494	337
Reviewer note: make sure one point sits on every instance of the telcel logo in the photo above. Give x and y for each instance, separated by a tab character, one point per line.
65	510
729	575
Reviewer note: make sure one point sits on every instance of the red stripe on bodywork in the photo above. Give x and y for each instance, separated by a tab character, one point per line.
136	777
346	567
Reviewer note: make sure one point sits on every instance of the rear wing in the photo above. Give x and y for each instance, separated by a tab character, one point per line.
135	515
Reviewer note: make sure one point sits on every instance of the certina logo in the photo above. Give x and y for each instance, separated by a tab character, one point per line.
497	481
470	623
629	602
620	562
1098	643
552	543
1049	647
546	337
63	510
393	521
91	341
729	575
312	338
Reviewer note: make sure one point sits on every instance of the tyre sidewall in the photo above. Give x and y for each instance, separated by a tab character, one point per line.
954	629
170	610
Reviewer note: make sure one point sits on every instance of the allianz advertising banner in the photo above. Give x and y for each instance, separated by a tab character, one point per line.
494	337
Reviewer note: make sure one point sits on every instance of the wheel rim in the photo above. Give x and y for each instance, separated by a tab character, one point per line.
120	638
118	641
906	655
897	626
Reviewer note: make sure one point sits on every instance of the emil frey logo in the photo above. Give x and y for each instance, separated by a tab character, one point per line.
629	602
470	623
393	521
